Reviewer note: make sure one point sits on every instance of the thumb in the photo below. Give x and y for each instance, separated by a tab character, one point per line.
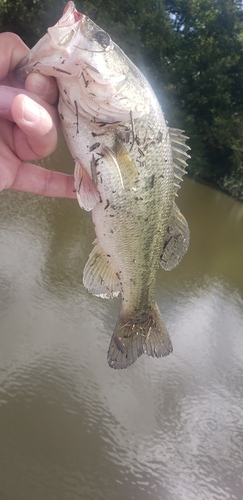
36	134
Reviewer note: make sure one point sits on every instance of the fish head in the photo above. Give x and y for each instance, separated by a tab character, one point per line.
73	44
90	68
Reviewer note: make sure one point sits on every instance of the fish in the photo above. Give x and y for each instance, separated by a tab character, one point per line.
128	168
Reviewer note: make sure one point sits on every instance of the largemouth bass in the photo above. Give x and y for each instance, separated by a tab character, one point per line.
128	167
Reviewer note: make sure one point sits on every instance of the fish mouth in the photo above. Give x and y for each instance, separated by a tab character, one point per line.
66	46
58	33
72	17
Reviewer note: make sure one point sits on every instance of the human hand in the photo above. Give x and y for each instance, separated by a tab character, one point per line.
28	127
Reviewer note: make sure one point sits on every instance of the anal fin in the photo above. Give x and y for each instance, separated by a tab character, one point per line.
98	277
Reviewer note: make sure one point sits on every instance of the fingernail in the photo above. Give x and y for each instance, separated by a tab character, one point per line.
30	111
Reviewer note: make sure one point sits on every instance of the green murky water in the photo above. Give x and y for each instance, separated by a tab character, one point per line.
74	429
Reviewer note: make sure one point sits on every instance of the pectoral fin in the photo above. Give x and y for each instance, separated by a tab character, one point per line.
87	193
124	165
99	277
176	242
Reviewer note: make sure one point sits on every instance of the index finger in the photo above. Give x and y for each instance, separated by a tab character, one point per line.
13	49
44	87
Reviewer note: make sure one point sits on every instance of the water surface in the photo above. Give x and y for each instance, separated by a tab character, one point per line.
71	427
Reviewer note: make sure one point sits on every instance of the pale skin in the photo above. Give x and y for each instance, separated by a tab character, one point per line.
28	127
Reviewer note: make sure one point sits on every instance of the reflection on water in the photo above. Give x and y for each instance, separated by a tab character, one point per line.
71	427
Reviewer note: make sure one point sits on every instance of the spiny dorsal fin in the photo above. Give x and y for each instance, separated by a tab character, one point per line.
180	156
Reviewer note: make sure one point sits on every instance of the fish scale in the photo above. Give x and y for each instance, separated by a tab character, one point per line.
128	169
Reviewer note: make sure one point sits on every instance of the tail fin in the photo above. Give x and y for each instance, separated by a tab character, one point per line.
135	335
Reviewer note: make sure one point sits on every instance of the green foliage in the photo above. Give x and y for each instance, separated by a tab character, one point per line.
207	76
233	184
192	53
28	18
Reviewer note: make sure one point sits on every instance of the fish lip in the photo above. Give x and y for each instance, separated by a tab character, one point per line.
70	16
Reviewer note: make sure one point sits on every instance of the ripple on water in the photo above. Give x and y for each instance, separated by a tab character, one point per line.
72	428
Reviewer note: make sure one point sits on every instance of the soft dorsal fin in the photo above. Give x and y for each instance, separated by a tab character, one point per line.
180	156
176	241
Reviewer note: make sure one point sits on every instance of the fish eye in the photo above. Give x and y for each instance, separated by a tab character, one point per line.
103	39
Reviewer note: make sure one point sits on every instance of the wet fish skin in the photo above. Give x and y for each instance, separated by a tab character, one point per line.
128	166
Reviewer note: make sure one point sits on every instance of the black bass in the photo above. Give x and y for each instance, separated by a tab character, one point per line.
128	166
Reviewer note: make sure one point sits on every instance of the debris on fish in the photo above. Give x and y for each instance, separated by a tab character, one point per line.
128	169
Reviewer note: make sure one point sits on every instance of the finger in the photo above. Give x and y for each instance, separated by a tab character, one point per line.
7	95
12	51
21	176
38	180
36	134
43	86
